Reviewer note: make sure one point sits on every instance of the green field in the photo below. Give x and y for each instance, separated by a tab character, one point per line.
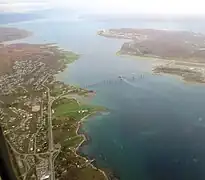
73	141
68	112
69	57
66	107
71	108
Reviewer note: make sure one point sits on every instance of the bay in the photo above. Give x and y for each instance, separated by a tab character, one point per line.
156	125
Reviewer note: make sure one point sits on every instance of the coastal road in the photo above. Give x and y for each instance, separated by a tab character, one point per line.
50	137
50	133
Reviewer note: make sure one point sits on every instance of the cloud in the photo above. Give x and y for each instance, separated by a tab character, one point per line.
144	6
111	6
21	6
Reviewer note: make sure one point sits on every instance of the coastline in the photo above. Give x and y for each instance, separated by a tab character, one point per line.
84	140
150	58
20	33
70	57
82	119
87	123
189	72
80	122
170	50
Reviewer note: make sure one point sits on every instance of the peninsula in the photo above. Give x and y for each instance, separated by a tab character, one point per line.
39	115
181	52
9	34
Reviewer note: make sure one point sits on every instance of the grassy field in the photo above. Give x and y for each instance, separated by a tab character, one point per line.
71	108
69	57
73	141
68	112
66	107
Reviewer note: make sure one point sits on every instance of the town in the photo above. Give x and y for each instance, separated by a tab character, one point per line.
40	116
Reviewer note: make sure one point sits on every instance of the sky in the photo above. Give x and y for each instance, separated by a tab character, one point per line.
110	6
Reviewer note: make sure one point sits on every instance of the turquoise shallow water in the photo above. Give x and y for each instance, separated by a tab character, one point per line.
156	126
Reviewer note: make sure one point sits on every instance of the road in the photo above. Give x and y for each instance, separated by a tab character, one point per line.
52	151
50	137
50	133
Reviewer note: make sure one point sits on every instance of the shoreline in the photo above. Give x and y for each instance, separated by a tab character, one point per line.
118	53
81	122
83	134
195	69
66	63
172	55
25	34
85	140
165	60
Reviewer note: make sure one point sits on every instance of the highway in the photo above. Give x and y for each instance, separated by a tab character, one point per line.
50	138
50	133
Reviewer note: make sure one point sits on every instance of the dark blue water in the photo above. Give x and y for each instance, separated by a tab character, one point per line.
156	126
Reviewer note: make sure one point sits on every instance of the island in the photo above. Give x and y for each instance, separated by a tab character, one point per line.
40	116
180	52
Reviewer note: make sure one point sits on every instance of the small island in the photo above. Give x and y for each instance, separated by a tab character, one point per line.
40	116
181	53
